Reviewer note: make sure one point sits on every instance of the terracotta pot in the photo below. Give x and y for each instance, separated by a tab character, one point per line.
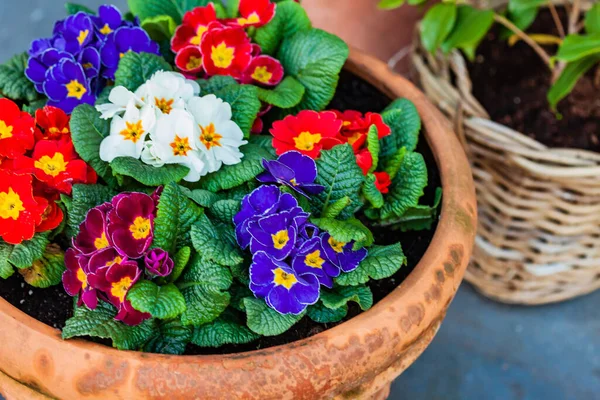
382	33
357	359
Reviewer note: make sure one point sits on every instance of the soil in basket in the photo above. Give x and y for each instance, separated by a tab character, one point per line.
512	82
53	306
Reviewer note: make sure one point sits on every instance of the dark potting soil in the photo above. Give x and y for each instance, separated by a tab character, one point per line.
512	83
53	306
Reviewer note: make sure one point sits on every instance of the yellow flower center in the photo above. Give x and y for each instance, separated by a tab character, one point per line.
5	130
222	55
133	131
262	74
314	259
87	65
54	130
10	205
196	40
120	289
117	260
306	140
280	239
282	278
209	136
105	29
52	166
164	105
82	277
355	136
180	146
101	242
82	36
121	55
75	89
338	247
193	62
253	18
140	229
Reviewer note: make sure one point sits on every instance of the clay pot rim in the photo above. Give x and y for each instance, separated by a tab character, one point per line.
456	228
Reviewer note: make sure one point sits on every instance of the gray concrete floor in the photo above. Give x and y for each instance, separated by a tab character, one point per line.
483	350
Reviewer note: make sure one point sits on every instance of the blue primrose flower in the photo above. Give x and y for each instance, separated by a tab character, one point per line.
122	41
263	201
284	290
311	259
38	66
108	20
277	234
66	86
294	170
77	31
341	254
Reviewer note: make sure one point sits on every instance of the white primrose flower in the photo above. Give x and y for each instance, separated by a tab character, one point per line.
218	136
149	155
128	133
169	91
119	98
173	143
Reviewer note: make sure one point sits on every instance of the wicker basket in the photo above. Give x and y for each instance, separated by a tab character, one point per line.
538	238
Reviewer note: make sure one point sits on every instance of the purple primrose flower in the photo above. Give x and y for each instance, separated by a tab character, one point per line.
132	223
294	170
341	254
75	279
92	232
77	31
108	20
122	41
67	86
311	259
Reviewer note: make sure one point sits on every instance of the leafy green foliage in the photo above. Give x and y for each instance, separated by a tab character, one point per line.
341	295
160	27
101	323
470	28
84	198
287	94
147	174
265	321
576	47
346	231
437	25
592	19
244	103
87	131
224	210
518	5
382	262
136	68
169	337
227	329
180	261
204	286
522	18
230	176
175	216
315	58
73	8
289	19
404	120
419	217
323	315
407	187
162	302
205	198
569	77
371	193
373	146
24	254
216	83
174	8
46	271
390	4
334	209
213	245
6	269
13	82
341	177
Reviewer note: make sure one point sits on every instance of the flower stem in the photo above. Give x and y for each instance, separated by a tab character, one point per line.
536	47
556	18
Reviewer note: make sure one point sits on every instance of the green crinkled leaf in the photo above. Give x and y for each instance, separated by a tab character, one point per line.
239	291
371	193
46	271
73	8
373	146
169	337
224	210
161	27
569	77
232	7
323	315
204	198
266	142
381	262
407	187
6	270
241	273
287	94
174	218
341	295
100	323
470	28
162	302
419	217
174	8
404	120
227	329
393	163
24	254
35	105
315	58
334	209
230	176
265	321
84	198
147	174
244	103
289	18
213	245
215	83
204	286
13	82
341	177
346	231
180	261
136	68
87	131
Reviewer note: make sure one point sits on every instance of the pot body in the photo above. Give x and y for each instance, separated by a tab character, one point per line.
356	359
382	33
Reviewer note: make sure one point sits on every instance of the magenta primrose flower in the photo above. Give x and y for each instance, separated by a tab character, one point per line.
158	263
132	223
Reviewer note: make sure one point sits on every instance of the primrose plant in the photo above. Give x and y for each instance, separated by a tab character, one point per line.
452	25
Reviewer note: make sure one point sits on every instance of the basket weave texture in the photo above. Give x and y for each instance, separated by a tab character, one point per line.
538	238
